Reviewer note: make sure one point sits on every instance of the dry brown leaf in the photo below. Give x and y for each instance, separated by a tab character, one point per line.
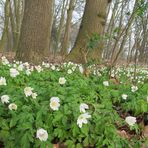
123	134
145	131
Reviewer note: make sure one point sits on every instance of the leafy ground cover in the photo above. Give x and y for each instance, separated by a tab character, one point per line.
48	103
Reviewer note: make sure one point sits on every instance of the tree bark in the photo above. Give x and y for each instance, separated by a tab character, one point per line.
35	31
65	43
93	22
4	39
61	24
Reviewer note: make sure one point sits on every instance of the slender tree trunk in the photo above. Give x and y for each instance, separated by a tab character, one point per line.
51	27
60	28
5	32
19	8
65	42
93	22
124	34
35	31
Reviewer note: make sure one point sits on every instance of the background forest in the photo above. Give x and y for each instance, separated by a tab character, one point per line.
123	36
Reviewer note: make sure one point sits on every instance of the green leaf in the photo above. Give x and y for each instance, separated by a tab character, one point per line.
4	134
86	141
13	122
70	144
85	130
79	145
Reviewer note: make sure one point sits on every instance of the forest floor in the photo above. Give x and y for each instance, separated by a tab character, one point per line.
124	131
51	58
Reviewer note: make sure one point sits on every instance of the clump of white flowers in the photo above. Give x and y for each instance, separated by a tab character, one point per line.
46	65
83	107
14	72
62	80
134	88
130	120
29	92
54	103
4	61
42	134
38	68
124	96
26	64
106	83
5	99
83	119
12	106
3	81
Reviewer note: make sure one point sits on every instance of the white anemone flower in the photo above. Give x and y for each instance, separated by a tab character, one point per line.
130	120
74	68
124	96
4	61
5	99
81	69
42	134
38	68
99	74
12	106
46	65
53	67
106	83
20	67
83	107
34	95
14	72
26	64
62	80
54	103
14	65
134	88
28	72
69	71
58	69
3	81
28	91
83	119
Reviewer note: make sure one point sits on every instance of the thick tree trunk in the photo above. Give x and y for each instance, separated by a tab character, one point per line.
35	31
93	22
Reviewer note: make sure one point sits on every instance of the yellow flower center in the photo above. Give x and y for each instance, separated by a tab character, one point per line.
54	104
81	118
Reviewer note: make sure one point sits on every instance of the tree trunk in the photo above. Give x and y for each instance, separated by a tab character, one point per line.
4	39
35	31
16	19
65	43
93	22
60	27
